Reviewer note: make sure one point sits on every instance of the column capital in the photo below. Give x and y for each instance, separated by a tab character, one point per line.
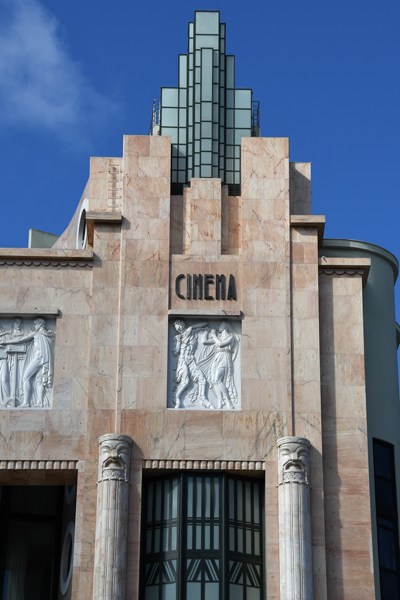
293	460
114	457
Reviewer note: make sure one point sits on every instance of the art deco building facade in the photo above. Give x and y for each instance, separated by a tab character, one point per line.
198	392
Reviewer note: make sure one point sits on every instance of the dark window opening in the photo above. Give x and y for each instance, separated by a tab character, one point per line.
202	537
387	519
36	533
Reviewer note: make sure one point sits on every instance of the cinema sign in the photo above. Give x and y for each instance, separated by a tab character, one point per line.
205	287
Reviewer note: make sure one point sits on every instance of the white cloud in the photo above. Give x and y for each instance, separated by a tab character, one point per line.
40	85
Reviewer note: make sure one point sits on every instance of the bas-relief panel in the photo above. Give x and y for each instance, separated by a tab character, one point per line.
204	364
26	362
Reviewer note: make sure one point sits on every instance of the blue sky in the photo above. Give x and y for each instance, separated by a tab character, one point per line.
75	75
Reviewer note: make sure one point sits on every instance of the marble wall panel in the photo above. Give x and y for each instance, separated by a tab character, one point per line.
265	303
105	247
271	516
263	250
85	527
270	275
251	435
27	420
145	301
347	501
133	558
271	363
150	275
140	361
231	223
264	394
154	166
65	422
300	188
177	224
191	435
306	395
130	329
98	183
146	393
264	158
102	392
149	228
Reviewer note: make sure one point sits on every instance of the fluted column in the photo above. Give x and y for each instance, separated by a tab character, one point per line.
112	517
295	552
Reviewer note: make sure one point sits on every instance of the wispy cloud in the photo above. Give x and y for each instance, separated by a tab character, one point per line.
40	84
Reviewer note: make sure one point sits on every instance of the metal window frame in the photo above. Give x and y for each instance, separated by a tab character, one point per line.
246	562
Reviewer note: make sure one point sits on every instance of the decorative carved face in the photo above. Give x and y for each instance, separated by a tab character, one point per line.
293	462
114	459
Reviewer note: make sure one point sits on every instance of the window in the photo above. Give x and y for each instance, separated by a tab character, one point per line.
387	519
202	537
36	533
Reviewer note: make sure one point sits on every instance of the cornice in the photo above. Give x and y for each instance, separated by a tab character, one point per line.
317	221
46	257
350	267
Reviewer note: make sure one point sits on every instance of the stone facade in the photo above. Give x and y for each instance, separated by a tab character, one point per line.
298	319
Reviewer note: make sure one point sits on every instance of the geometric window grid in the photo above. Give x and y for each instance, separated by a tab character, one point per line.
206	116
387	519
202	537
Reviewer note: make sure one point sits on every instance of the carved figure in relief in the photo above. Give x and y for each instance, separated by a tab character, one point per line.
4	373
32	363
187	370
16	360
294	461
226	344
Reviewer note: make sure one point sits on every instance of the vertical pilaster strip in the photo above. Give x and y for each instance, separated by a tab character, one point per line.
112	517
295	550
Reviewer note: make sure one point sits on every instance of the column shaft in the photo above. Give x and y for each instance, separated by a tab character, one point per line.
112	517
295	550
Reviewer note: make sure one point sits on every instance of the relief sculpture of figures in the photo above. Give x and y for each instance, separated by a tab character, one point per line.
205	368
26	365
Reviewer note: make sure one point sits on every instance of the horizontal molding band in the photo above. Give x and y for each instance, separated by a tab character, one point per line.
46	257
56	465
205	465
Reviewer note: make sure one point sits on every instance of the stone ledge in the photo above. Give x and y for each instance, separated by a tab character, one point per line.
99	217
46	257
317	221
220	258
350	267
217	312
32	311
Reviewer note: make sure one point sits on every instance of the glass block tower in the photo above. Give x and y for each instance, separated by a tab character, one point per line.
206	116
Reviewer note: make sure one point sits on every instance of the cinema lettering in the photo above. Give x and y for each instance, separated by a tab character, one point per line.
205	287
